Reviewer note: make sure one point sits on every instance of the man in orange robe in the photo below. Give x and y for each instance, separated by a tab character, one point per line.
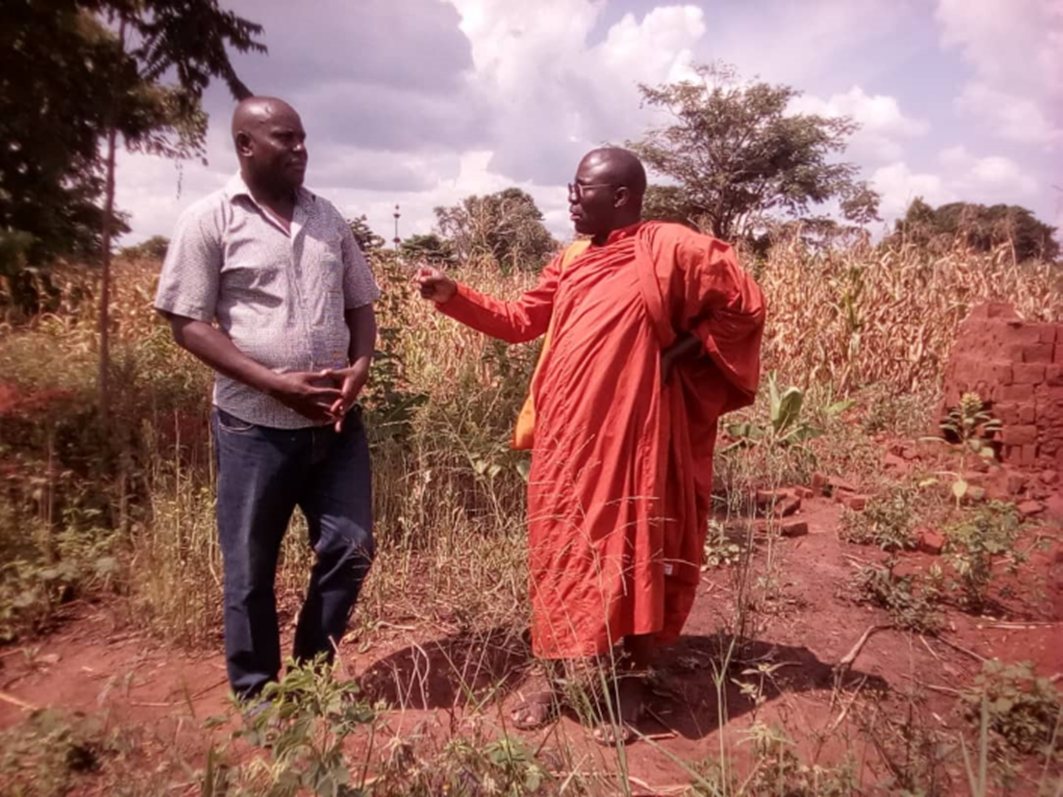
655	332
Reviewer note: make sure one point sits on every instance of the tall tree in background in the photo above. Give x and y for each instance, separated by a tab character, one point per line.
505	227
737	157
189	39
75	75
981	227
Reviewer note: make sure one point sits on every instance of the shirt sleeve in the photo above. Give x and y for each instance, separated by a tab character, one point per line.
359	286
188	284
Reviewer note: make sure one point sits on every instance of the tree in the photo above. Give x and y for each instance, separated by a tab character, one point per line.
737	158
189	38
367	240
57	67
429	249
981	227
505	227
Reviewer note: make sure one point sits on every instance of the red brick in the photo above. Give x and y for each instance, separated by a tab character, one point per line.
931	542
1027	414
1020	393
1029	456
1049	477
1008	412
1049	333
1030	508
1019	435
1037	353
1020	332
794	528
993	310
804	493
1028	373
854	502
1002	373
1016	482
1057	356
1054	375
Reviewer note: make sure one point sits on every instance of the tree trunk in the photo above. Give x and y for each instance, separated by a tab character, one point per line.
105	282
102	379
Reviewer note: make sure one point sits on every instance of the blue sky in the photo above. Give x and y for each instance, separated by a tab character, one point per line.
422	102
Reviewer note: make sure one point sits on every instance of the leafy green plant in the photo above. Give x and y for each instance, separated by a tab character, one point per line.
975	543
910	600
887	521
303	721
970	426
777	770
1022	708
786	426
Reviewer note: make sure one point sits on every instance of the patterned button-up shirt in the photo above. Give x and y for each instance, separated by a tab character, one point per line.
279	297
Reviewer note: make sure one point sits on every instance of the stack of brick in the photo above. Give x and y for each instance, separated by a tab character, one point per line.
1017	367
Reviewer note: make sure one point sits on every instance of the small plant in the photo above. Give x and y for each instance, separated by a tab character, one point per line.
972	426
48	753
1022	708
887	521
721	550
975	543
303	720
785	426
910	600
777	770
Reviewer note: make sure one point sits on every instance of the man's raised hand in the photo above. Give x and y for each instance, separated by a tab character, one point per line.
434	284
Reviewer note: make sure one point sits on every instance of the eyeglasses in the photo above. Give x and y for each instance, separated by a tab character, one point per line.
577	189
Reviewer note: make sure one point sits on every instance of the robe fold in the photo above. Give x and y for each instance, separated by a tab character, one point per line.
621	475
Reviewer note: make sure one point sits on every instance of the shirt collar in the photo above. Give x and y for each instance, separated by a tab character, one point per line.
236	187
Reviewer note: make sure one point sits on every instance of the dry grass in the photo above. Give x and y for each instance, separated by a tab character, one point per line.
449	495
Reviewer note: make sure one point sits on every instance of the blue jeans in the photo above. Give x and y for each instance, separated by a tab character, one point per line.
263	474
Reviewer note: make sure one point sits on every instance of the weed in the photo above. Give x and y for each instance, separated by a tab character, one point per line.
721	548
45	755
976	543
887	521
303	722
910	600
1022	708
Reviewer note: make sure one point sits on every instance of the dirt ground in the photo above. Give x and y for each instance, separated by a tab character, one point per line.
94	665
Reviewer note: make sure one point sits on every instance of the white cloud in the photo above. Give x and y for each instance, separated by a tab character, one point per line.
987	179
1015	48
882	123
962	177
898	186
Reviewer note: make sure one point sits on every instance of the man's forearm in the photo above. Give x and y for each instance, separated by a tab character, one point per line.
214	348
362	323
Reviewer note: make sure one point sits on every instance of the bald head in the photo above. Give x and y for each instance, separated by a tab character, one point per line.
618	166
607	194
270	143
256	111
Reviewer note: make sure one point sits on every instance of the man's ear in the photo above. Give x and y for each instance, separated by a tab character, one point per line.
622	197
243	143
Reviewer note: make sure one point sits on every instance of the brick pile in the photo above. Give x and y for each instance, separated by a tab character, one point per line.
1017	367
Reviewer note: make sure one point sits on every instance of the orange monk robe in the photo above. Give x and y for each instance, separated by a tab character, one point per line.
619	488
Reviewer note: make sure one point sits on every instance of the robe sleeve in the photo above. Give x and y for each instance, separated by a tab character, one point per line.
518	321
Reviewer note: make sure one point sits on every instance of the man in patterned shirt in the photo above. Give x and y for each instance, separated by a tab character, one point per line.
277	268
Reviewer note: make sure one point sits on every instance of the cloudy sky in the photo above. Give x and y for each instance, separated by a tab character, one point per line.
423	102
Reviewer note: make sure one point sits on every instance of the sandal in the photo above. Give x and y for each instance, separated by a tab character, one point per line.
538	711
626	712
